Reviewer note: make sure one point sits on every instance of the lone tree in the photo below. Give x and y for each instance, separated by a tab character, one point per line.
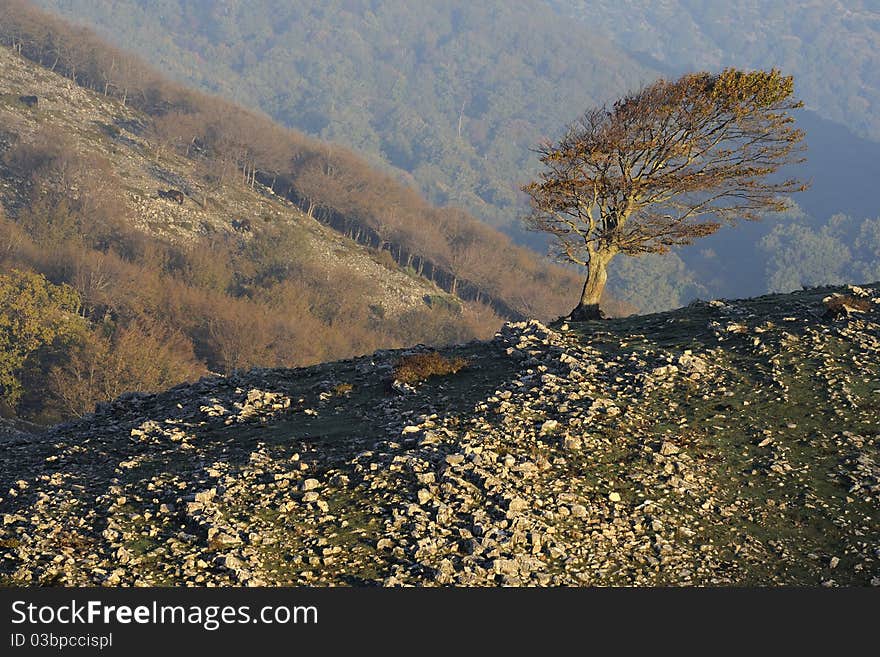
663	166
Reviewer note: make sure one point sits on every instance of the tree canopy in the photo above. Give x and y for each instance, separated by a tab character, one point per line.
663	166
33	313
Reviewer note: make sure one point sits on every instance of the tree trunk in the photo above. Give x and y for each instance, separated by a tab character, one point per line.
597	275
461	118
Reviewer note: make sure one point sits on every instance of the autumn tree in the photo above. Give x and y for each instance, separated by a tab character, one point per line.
663	166
33	313
103	364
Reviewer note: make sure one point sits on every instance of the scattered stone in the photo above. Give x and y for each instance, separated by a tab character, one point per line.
668	449
524	488
572	443
549	426
205	496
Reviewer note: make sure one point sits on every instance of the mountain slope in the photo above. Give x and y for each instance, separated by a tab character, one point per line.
189	235
329	181
231	276
453	97
101	128
690	447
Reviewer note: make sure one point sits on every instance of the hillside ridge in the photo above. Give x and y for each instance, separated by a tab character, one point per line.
725	443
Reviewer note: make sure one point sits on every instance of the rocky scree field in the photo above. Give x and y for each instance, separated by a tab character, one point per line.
726	443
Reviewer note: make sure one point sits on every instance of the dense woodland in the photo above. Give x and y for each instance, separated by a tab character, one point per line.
837	252
454	97
832	47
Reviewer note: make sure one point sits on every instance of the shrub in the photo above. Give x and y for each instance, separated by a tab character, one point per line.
844	304
385	258
443	301
418	367
102	366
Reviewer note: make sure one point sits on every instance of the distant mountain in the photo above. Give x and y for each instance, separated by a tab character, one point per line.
722	444
842	167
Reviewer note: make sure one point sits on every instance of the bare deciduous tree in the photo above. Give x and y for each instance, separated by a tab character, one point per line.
665	165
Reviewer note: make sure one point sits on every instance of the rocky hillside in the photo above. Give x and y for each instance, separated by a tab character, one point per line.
103	127
726	443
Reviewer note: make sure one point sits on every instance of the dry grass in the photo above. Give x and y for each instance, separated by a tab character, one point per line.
418	367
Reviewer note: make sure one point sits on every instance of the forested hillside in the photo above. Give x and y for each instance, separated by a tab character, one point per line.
327	180
269	249
452	97
107	287
832	47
